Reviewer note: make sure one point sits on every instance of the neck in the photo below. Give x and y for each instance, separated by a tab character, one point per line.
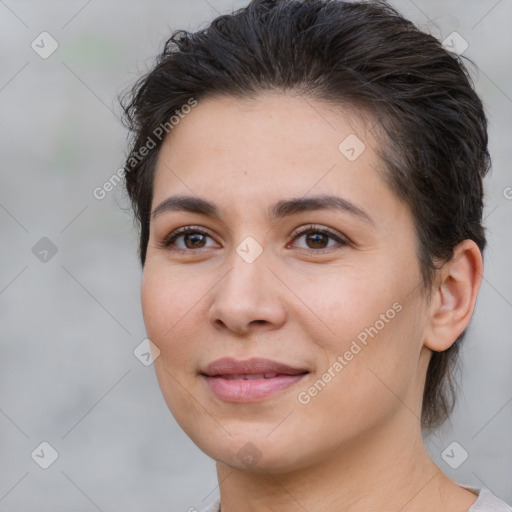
385	470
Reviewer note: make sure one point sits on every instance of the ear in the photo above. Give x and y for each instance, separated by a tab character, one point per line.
454	296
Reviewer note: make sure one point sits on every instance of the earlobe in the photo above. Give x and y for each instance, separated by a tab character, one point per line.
454	298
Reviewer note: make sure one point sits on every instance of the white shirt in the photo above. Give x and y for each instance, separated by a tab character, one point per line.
486	502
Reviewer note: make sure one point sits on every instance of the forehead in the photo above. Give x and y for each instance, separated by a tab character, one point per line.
263	149
272	123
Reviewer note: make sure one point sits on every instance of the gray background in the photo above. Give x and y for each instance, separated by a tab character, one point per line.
68	374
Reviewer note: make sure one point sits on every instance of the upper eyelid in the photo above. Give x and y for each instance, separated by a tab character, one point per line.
315	227
296	233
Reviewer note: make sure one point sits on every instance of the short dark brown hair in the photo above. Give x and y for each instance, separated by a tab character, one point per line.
361	54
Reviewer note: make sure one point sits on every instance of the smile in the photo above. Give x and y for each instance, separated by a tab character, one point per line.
250	380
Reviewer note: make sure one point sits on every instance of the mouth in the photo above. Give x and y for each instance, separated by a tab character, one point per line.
250	376
250	380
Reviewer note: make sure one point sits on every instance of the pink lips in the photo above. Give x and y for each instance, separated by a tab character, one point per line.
250	380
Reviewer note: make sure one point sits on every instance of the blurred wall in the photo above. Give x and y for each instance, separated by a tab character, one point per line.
69	276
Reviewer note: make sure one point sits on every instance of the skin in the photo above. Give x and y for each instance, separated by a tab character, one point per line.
357	444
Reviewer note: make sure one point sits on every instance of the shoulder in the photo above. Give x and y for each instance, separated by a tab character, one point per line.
213	506
487	501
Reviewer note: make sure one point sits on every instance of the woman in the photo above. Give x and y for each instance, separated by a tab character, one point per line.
307	177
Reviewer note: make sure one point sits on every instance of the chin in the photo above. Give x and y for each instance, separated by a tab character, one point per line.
249	449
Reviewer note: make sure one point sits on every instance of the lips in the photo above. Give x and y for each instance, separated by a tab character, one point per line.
254	366
250	376
249	380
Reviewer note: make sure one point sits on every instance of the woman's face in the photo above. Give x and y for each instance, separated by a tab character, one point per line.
287	331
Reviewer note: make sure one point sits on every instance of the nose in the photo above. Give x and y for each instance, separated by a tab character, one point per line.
248	297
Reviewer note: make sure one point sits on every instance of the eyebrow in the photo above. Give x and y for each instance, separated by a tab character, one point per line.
279	210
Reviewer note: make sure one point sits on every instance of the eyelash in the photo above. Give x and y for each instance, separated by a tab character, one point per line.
170	239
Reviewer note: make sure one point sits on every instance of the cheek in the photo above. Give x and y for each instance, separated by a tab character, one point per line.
372	343
346	308
165	304
167	309
375	367
164	301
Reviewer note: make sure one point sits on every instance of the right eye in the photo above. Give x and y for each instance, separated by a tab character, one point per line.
192	235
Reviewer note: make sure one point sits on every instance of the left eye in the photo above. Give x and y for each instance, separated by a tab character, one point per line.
319	236
194	239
